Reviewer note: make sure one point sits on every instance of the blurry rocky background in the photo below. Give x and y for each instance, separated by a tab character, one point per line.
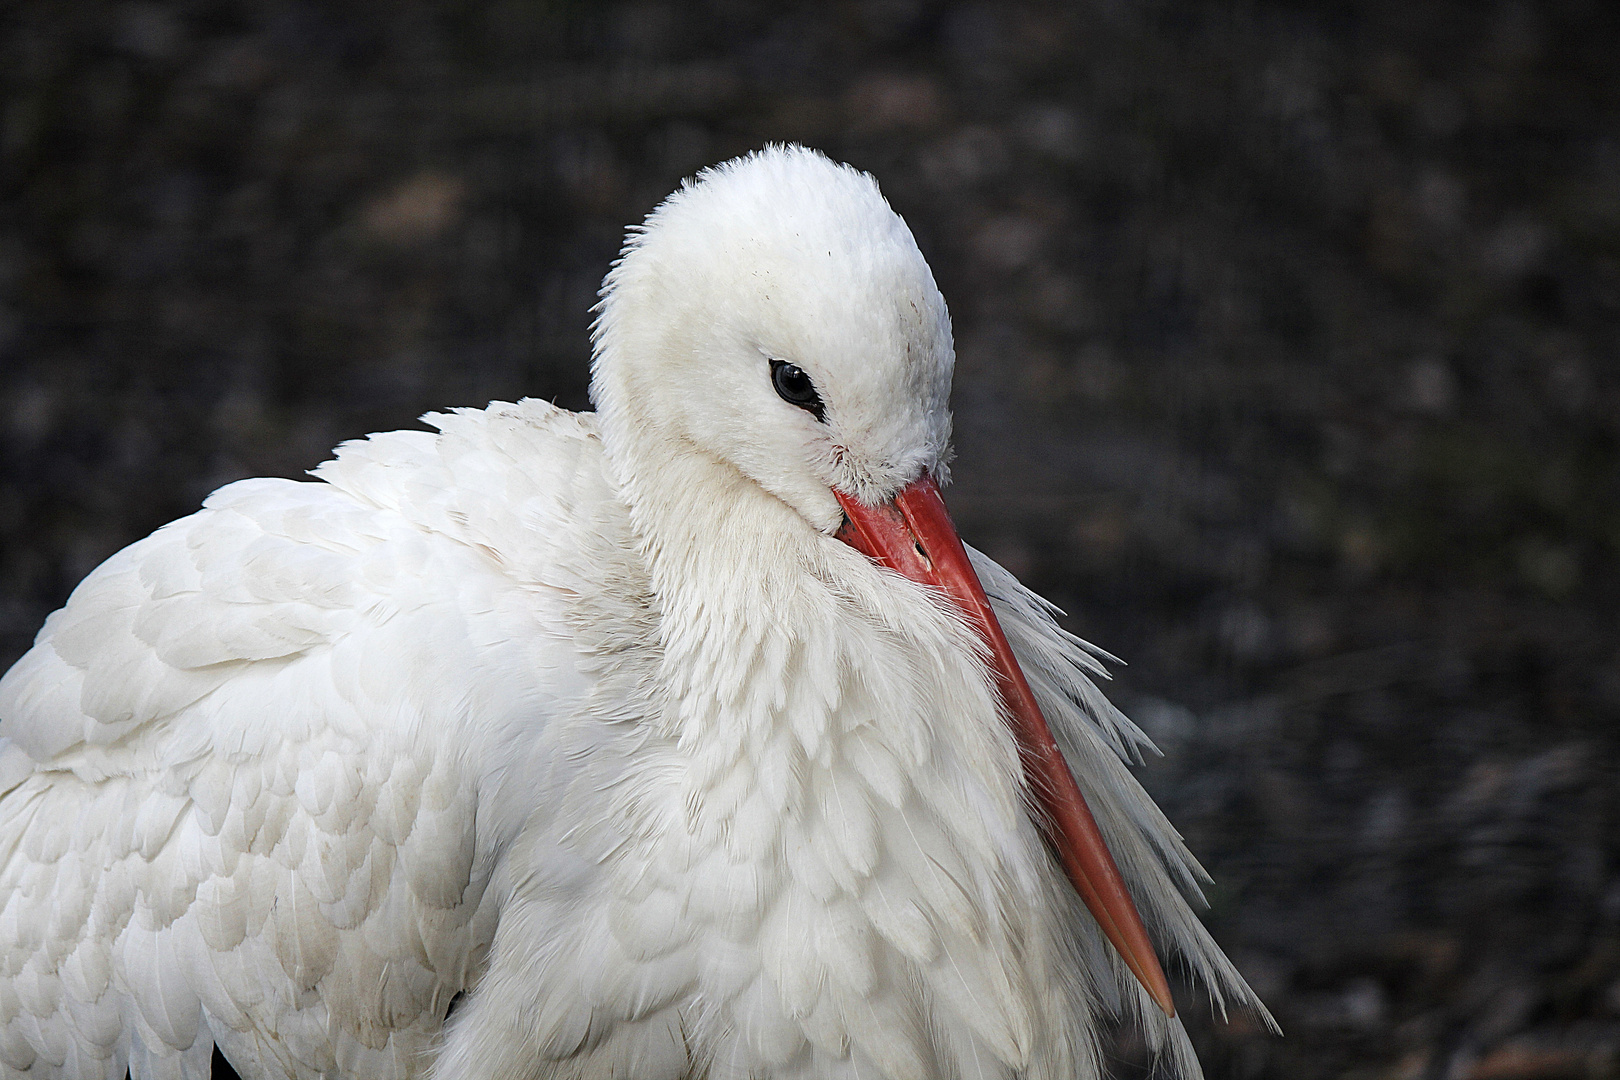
1288	366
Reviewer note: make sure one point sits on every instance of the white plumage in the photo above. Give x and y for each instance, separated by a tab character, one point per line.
587	717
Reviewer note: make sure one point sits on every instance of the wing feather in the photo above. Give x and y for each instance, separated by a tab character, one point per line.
254	774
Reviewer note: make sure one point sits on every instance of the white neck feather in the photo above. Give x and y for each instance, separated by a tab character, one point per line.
838	725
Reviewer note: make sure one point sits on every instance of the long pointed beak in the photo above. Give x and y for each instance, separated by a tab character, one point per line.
913	535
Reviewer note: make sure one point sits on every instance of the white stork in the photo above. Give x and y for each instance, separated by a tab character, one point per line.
679	738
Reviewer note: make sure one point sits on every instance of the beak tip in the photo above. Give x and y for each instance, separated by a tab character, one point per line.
1158	989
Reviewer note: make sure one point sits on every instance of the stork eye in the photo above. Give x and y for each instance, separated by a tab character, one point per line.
794	387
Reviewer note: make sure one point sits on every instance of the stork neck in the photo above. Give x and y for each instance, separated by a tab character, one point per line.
707	530
728	565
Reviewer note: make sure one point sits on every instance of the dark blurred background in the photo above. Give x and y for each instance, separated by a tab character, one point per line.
1287	365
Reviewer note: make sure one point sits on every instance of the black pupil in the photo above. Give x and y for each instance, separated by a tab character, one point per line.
794	387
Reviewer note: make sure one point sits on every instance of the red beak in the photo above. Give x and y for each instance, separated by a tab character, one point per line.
913	535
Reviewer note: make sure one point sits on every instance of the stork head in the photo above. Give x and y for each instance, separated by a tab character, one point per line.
776	315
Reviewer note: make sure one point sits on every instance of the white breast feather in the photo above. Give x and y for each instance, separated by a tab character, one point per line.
1099	742
819	864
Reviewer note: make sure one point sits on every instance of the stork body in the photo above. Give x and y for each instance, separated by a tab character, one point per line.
589	718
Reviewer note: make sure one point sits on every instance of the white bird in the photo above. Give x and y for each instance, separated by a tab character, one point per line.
679	738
